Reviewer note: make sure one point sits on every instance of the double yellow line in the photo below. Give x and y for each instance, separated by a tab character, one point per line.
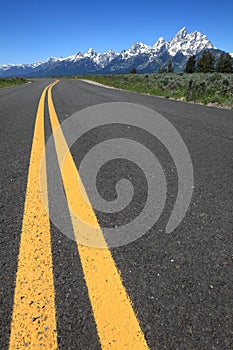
33	320
34	316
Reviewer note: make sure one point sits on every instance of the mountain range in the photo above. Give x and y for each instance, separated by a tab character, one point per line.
144	58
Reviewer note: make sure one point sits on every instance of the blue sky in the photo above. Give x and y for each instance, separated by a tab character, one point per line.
35	30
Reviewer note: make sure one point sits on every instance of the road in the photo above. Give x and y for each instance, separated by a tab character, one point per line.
162	291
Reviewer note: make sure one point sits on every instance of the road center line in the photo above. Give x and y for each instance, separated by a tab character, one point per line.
33	323
117	324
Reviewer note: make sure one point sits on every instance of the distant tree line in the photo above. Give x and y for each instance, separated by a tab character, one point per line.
168	69
133	70
207	63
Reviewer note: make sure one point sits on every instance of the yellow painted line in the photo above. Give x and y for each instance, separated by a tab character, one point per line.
33	323
117	324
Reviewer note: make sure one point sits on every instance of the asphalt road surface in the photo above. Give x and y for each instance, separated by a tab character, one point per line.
163	291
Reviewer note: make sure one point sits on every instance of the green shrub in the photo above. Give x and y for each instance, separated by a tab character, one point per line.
205	88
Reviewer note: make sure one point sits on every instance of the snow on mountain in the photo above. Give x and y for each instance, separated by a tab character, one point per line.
160	44
137	49
30	65
98	58
101	59
5	67
146	58
188	44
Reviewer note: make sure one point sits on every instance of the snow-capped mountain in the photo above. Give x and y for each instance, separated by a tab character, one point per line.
97	58
160	45
144	57
188	44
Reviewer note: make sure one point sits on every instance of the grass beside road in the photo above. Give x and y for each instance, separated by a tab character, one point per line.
4	82
210	88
